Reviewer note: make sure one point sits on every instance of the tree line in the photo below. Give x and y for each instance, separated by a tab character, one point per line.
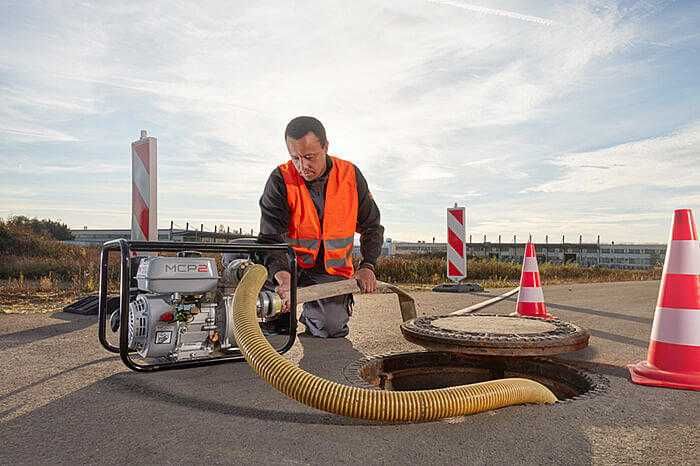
44	227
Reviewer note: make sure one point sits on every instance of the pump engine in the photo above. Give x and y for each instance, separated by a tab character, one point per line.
183	309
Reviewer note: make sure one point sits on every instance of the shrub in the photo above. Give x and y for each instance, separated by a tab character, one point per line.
21	240
431	269
47	283
43	227
26	255
28	250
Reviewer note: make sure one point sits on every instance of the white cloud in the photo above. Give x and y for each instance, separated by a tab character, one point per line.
30	168
47	100
223	78
493	11
434	104
665	161
33	134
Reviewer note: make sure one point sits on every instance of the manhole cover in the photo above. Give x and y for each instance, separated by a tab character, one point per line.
494	325
495	335
432	370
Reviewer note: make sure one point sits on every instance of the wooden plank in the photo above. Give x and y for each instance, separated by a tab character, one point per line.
327	290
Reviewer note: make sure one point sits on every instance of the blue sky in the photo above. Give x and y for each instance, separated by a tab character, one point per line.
542	117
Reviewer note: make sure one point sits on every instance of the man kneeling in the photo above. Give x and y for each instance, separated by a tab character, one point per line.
316	202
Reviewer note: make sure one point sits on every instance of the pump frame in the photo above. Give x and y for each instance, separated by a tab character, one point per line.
126	254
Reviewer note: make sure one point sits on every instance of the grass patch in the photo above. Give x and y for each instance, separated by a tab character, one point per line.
38	270
491	273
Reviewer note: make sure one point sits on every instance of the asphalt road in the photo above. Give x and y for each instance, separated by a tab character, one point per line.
65	400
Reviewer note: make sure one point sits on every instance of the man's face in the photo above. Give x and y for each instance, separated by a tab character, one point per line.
308	156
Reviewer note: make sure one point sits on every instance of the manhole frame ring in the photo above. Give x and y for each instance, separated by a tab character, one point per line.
565	337
599	383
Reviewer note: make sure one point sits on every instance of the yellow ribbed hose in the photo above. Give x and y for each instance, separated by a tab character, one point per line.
387	406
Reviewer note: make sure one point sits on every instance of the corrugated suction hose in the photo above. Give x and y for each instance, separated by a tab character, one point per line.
377	405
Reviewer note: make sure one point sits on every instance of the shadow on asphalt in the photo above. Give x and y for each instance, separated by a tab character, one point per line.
619	338
326	357
156	392
609	315
602	368
323	357
601	313
54	376
581	359
601	333
73	323
586	354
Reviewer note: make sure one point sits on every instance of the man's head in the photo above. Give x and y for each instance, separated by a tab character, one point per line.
307	145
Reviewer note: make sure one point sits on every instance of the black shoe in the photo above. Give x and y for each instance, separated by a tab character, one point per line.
114	321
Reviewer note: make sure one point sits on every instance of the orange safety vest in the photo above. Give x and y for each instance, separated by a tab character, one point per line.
339	218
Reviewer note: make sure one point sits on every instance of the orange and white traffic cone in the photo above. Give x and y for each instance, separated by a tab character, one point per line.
673	360
530	298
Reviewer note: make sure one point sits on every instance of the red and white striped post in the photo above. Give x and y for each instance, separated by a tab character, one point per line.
144	188
673	359
456	249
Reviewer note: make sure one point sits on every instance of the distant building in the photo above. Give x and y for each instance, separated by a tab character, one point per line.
99	237
387	249
618	256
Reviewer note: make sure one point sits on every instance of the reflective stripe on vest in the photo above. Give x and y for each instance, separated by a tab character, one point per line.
339	262
305	232
338	243
306	260
304	243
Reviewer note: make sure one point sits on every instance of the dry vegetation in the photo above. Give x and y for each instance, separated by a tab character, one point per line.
491	273
37	271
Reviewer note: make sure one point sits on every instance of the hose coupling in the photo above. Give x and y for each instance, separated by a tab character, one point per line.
269	305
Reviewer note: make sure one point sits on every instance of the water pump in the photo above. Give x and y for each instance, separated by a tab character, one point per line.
184	309
179	311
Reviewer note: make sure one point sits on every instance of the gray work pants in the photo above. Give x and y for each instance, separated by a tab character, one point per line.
325	318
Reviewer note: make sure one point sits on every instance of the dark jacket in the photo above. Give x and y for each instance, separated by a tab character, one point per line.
274	219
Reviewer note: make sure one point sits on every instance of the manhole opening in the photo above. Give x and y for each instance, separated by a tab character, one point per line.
431	370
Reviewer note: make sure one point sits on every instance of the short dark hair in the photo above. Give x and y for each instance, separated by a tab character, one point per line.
299	126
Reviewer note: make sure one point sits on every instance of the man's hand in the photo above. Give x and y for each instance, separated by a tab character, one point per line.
366	280
284	284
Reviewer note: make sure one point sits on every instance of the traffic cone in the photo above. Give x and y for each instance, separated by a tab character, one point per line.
530	298
673	360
